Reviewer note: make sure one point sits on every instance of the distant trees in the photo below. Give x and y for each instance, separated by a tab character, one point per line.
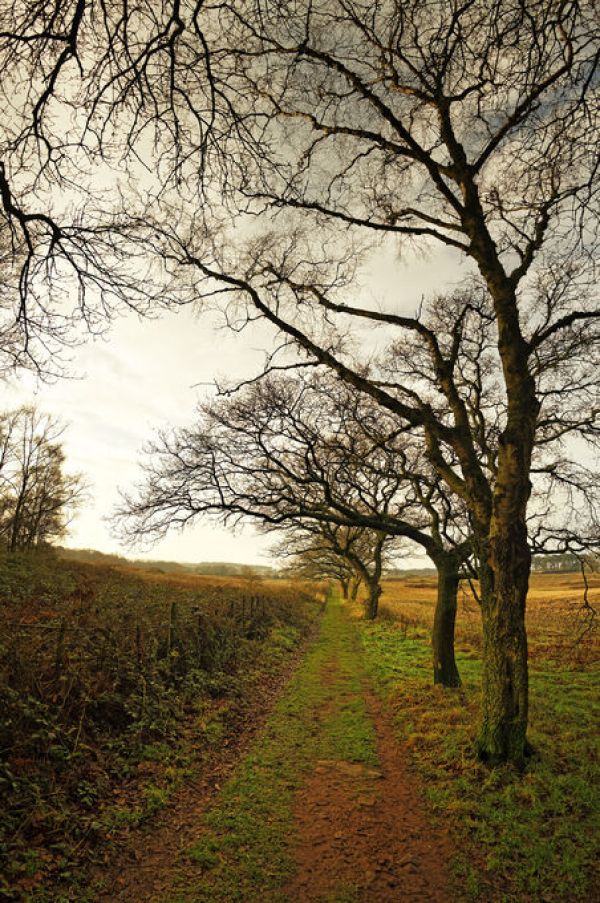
37	497
561	563
307	454
353	556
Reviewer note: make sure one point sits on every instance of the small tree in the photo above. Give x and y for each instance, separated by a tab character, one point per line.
38	498
350	555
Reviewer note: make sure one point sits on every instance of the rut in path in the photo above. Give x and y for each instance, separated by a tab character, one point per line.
363	834
323	809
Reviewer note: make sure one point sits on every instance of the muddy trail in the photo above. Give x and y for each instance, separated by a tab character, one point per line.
321	805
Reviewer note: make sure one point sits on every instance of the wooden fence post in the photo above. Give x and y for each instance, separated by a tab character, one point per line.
60	642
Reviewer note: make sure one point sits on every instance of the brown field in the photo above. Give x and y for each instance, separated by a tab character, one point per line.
252	583
558	624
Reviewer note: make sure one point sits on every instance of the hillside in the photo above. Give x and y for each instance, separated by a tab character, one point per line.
211	568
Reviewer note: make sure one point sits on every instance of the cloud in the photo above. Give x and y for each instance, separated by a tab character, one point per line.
150	373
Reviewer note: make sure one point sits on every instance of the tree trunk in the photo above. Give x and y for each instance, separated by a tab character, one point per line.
344	586
504	585
354	586
504	555
505	563
445	671
372	600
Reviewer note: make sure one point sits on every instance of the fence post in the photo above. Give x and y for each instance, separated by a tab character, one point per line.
60	642
172	624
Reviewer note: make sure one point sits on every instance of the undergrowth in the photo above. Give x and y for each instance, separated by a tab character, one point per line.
113	690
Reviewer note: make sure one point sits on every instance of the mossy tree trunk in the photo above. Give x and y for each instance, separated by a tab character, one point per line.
445	670
504	584
372	601
504	554
498	507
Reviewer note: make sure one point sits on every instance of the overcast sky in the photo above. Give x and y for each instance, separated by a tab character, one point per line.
150	374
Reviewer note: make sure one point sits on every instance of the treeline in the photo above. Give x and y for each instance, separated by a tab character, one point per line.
220	568
564	563
210	568
37	497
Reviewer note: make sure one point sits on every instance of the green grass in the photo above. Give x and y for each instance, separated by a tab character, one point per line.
522	837
246	851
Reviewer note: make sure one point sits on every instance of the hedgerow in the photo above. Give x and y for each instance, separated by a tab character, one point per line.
106	678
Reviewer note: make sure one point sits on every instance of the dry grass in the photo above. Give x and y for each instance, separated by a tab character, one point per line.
558	625
250	584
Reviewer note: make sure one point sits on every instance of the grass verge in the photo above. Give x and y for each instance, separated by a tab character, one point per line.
523	837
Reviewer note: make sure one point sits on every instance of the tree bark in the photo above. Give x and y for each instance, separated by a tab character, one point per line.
504	555
372	600
504	585
445	671
354	587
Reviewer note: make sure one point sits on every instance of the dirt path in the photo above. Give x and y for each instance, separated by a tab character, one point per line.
361	828
324	806
363	834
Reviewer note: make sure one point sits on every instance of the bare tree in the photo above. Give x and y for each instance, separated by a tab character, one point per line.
309	450
352	555
314	560
103	100
37	496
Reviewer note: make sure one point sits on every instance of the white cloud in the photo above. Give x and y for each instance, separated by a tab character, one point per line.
150	374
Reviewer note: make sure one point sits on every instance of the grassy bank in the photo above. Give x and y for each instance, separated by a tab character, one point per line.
114	688
523	838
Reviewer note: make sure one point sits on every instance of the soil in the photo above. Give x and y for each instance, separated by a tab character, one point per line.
364	830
